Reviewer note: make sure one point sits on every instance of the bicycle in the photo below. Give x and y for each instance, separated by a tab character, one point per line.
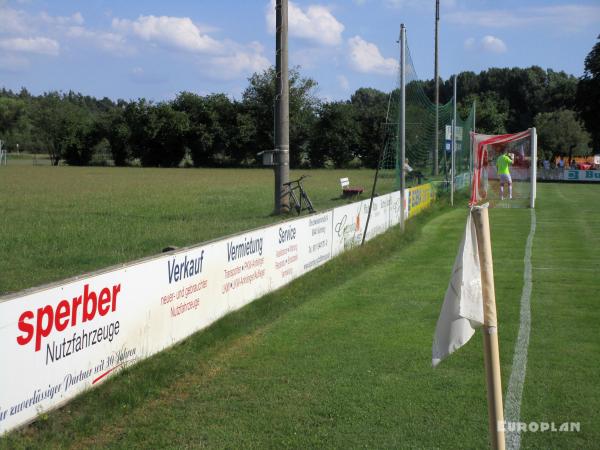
294	201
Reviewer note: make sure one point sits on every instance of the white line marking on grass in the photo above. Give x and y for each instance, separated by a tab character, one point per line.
512	409
563	269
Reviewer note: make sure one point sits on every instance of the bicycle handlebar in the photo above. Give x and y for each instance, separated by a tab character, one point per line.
296	181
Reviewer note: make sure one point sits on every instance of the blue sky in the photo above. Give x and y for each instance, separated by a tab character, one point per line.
155	49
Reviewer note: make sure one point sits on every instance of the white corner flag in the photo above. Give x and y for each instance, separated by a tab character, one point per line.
462	311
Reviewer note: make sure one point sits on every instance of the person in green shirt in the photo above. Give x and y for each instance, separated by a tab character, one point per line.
503	163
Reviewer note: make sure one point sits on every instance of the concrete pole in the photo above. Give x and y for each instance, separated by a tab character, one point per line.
402	122
436	168
282	108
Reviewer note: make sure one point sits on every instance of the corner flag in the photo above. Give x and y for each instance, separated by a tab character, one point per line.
462	311
470	303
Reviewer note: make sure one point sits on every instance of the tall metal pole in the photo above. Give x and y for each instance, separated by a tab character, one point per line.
533	151
452	156
282	108
436	168
472	142
402	122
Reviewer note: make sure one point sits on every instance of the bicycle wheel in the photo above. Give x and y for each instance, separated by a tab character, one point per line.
309	204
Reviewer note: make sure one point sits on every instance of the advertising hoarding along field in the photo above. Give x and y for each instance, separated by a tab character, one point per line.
583	175
420	198
60	340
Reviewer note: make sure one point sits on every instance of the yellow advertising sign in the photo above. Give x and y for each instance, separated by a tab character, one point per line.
420	198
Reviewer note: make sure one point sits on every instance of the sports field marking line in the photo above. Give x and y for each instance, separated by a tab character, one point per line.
514	394
562	269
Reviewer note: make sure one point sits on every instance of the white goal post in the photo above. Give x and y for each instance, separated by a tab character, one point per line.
520	185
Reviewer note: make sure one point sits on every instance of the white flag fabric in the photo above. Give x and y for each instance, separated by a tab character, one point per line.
462	311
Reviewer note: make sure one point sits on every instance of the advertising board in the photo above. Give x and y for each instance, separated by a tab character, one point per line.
583	175
419	198
59	340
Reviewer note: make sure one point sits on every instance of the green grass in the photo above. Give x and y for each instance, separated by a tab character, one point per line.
562	383
61	221
341	358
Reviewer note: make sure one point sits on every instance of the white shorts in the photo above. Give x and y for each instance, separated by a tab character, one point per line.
505	178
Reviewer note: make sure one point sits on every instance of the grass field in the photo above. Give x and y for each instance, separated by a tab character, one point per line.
62	221
341	358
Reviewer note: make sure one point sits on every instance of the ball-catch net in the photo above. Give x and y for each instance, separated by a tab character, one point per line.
420	132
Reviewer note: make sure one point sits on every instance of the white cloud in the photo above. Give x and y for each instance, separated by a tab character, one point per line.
13	21
38	45
224	59
365	57
343	82
488	43
177	32
236	60
493	44
315	23
572	17
238	63
113	43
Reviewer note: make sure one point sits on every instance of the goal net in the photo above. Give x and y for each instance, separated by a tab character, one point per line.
504	169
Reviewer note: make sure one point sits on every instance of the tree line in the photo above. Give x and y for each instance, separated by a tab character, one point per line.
215	130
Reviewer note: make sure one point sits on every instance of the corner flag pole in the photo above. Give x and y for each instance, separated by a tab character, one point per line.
490	329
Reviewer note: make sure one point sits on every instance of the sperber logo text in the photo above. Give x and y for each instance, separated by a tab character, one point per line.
40	323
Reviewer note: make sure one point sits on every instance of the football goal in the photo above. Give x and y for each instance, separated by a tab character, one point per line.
504	169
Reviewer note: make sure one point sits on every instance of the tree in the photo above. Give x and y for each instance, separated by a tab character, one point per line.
11	111
335	135
560	91
63	129
116	130
223	128
158	133
199	137
259	100
369	113
491	112
561	133
172	126
219	132
588	94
